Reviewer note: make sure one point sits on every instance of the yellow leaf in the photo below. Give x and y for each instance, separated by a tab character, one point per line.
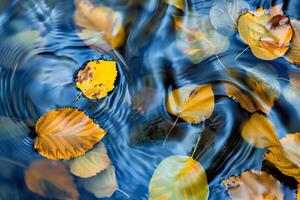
298	192
97	78
91	163
193	103
286	155
102	185
259	132
294	51
178	177
267	32
196	37
50	179
102	22
66	133
252	185
180	4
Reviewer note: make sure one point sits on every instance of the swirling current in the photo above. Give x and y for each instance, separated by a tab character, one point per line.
40	54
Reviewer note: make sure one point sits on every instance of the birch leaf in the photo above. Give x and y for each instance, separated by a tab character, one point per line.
225	13
253	185
193	103
50	179
259	132
286	156
91	163
96	79
100	27
294	51
196	37
178	177
102	185
267	32
66	133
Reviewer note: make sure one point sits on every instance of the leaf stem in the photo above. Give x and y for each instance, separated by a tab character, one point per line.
170	131
241	53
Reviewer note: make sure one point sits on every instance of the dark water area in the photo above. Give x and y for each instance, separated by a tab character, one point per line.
40	54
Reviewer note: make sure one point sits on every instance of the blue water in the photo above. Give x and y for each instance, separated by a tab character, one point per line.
37	75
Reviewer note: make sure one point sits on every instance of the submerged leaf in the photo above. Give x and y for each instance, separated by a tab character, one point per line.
267	32
263	81
91	163
291	92
97	78
253	185
101	27
224	14
50	179
66	133
180	4
102	185
196	37
193	103
178	177
286	155
294	51
259	131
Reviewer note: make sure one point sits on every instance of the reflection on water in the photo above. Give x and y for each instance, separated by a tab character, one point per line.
40	53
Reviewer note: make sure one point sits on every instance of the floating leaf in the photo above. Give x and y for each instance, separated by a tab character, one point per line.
259	132
267	32
50	179
253	185
298	192
102	185
286	156
178	177
101	27
66	133
180	4
196	37
294	51
193	103
97	78
224	14
91	163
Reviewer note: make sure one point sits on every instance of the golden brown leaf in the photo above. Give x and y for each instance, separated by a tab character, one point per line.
252	185
298	192
50	179
66	133
193	103
259	132
97	78
178	177
91	163
101	26
267	32
286	155
294	51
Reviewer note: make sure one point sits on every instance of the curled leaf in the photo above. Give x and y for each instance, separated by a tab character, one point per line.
196	37
225	13
97	78
91	163
253	185
259	131
101	27
267	32
66	133
102	185
286	156
178	177
294	51
50	179
193	103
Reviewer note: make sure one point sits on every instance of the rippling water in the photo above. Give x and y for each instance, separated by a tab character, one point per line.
40	53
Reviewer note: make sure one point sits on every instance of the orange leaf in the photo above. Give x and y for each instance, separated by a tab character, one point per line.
252	185
50	179
66	133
